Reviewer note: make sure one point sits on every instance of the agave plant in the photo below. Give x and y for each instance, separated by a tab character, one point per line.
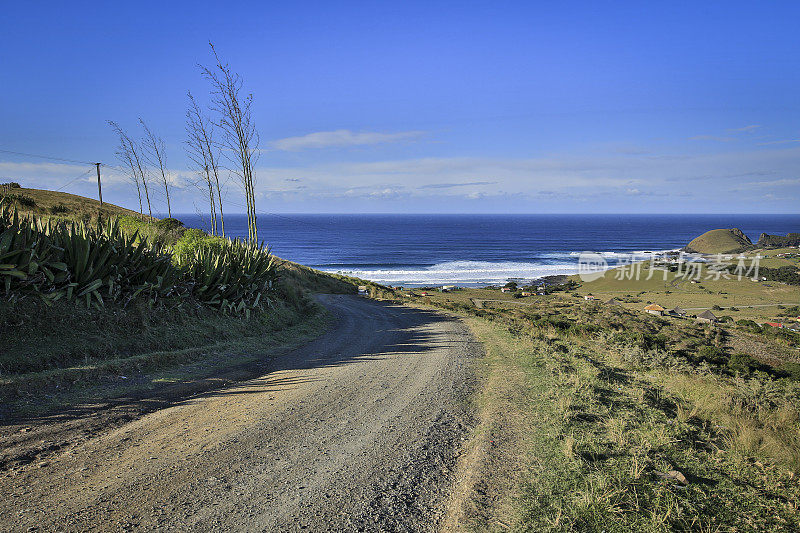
29	259
78	262
234	277
105	260
89	264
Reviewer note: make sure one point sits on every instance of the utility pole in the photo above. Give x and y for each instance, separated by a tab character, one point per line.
99	187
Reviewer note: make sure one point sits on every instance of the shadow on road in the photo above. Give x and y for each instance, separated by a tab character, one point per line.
363	330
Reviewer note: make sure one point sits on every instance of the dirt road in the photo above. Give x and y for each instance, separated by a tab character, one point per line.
359	430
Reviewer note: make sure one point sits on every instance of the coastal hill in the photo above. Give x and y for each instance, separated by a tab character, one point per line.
720	241
778	241
41	201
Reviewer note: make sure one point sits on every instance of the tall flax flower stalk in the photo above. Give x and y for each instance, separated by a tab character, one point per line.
239	138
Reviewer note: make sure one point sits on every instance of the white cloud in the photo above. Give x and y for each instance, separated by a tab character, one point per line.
787	141
665	181
342	138
573	176
711	138
746	129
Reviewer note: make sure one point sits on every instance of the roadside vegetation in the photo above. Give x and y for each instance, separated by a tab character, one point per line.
84	301
596	417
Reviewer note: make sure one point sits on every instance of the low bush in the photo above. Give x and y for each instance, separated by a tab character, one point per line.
58	209
791	370
744	364
712	354
168	224
20	200
193	240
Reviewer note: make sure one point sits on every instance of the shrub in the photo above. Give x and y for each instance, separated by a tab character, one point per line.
791	311
744	363
58	209
20	200
712	354
750	326
715	307
791	370
169	224
193	240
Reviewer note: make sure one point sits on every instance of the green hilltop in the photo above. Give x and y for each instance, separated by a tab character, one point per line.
720	241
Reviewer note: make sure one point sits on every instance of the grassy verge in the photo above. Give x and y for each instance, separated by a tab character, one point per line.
38	393
583	429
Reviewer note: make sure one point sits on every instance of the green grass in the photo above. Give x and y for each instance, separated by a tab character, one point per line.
66	205
621	425
97	382
720	241
677	291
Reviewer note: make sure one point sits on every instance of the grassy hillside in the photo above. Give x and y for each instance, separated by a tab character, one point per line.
42	202
720	241
598	418
737	298
87	321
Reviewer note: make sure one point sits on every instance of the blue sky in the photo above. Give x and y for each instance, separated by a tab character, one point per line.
529	107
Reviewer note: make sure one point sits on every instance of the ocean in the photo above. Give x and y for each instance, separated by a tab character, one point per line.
477	250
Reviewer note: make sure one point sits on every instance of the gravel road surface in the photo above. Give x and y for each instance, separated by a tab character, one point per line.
357	431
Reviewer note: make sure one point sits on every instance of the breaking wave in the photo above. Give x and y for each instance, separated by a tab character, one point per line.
466	273
479	273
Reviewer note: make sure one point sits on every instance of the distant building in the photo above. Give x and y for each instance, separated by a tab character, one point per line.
707	316
655	309
505	289
774	324
677	311
526	293
589	297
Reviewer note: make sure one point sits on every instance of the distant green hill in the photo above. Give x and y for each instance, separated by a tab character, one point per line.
779	241
720	241
63	204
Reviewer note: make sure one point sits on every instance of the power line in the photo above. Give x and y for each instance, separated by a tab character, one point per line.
48	157
70	182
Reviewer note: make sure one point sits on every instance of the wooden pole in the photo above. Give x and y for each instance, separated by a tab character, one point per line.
99	187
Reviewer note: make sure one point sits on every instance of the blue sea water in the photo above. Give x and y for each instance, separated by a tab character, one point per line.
474	250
